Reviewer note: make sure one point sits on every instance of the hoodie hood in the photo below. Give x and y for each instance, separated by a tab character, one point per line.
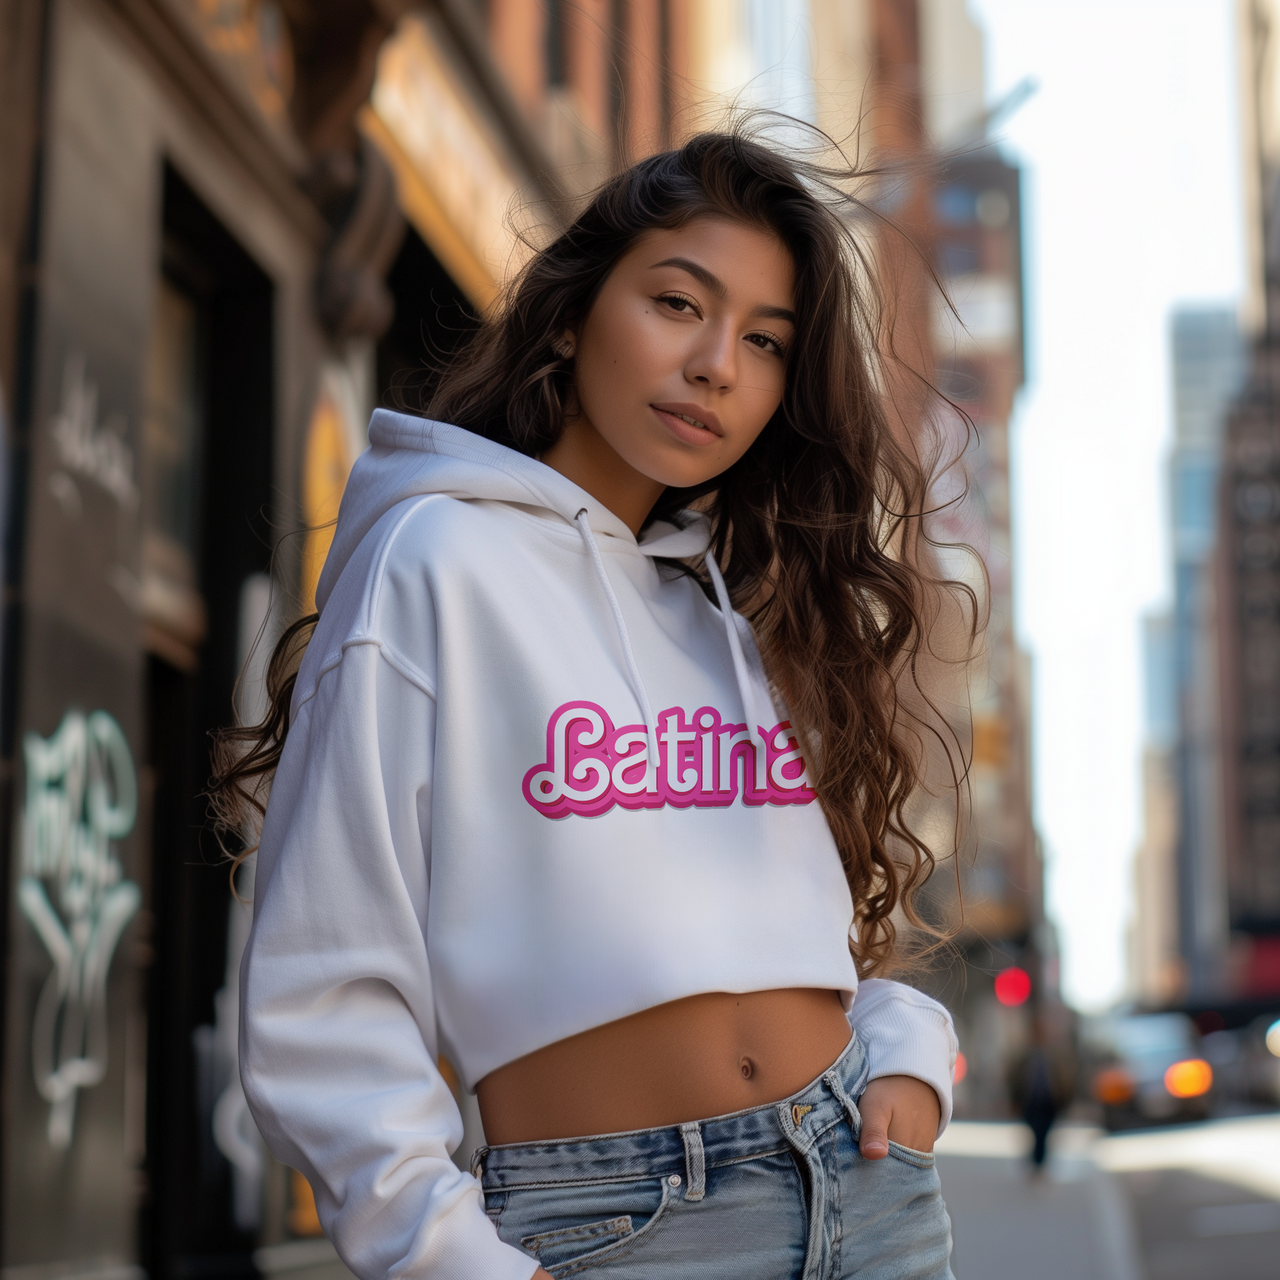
409	457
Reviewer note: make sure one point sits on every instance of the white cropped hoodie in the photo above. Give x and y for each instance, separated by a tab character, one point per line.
533	784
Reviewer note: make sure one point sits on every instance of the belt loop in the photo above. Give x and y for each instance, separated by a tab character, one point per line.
477	1162
695	1160
836	1085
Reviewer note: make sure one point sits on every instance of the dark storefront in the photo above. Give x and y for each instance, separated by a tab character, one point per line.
210	233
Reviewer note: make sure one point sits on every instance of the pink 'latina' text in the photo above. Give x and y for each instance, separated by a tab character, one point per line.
591	766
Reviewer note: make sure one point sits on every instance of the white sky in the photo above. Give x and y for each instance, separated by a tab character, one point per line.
1131	174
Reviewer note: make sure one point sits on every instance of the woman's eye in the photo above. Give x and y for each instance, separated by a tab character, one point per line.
767	342
678	302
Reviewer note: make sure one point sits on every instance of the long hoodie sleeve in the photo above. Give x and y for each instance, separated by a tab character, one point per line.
339	1024
906	1033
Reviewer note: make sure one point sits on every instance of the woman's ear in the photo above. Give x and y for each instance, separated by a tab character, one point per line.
566	345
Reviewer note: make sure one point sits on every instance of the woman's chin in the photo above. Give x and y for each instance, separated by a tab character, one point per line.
677	469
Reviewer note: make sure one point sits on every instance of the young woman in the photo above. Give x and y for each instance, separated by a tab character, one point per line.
550	808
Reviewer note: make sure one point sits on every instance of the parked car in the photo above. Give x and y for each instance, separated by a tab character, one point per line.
1260	1060
1246	1063
1146	1068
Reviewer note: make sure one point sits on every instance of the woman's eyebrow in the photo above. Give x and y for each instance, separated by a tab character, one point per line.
717	286
769	312
699	273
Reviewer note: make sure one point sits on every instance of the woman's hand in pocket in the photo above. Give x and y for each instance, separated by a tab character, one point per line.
898	1107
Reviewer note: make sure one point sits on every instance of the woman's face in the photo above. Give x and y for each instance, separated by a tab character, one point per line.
680	362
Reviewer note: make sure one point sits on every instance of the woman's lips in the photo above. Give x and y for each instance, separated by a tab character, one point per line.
690	423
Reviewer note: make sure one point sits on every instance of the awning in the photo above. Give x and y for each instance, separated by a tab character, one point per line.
457	181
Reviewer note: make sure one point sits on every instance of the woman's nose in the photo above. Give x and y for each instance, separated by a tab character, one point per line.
713	362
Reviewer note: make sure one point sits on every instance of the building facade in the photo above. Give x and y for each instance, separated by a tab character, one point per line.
1179	936
1207	372
1157	973
1000	901
1246	579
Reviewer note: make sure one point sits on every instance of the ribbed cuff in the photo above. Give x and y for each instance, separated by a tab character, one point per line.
905	1033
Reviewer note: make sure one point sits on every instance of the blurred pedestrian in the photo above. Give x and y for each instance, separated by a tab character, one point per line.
1040	1087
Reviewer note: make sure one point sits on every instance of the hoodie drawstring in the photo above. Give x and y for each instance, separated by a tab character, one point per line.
633	670
741	671
746	689
735	640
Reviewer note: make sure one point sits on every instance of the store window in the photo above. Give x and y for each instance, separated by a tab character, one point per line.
172	435
337	433
206	493
433	317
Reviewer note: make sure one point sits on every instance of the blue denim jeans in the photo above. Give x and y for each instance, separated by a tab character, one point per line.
774	1193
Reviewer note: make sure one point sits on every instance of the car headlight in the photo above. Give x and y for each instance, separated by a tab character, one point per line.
1189	1078
1273	1038
1112	1086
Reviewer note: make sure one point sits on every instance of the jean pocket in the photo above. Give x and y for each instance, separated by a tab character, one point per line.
921	1159
554	1247
574	1228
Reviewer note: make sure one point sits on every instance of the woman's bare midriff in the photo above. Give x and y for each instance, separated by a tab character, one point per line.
707	1055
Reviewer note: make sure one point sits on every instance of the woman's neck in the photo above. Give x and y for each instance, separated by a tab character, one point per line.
584	456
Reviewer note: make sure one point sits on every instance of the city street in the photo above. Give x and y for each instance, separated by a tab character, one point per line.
647	630
1192	1203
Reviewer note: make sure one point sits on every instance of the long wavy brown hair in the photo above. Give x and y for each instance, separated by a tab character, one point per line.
821	528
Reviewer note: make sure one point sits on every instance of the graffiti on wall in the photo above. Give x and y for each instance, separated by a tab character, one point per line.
81	798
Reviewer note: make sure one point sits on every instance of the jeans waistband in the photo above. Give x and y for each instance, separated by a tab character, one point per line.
686	1149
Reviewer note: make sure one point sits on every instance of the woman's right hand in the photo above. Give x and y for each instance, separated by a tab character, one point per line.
541	1275
900	1108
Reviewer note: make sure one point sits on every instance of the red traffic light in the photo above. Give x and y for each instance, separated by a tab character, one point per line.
1013	986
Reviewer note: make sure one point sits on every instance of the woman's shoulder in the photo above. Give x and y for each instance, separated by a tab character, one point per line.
416	540
387	592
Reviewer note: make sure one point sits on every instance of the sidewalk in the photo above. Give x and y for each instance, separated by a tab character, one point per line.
1070	1224
1205	1199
